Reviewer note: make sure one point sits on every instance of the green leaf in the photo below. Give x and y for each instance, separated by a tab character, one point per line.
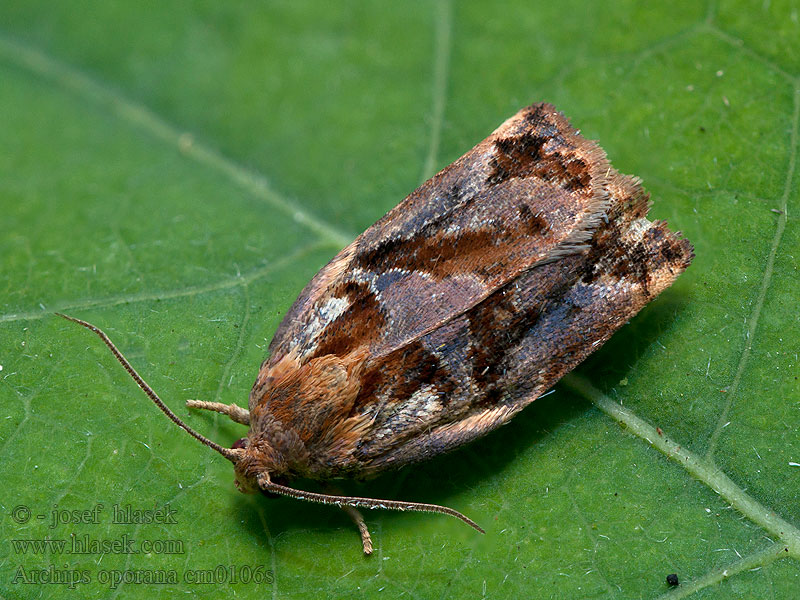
176	172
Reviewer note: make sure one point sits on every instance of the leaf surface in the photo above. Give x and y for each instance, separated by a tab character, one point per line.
176	174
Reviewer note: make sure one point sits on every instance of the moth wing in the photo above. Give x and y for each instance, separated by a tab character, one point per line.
470	376
531	192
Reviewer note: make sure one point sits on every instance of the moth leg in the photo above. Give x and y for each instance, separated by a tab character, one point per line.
358	519
356	516
236	413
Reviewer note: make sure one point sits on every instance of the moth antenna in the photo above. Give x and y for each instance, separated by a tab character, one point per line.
226	452
372	503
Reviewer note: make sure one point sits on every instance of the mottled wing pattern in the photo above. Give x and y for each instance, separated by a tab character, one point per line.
476	294
478	371
532	191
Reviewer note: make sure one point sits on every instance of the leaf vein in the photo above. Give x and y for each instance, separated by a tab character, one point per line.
116	102
755	315
704	470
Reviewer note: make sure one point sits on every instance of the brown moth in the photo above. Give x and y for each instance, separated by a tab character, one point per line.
450	314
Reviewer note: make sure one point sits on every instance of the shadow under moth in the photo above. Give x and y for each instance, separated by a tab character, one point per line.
449	315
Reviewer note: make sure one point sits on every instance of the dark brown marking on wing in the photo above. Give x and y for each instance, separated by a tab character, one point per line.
534	224
480	250
360	324
402	373
493	326
526	156
632	263
516	157
507	317
437	253
576	174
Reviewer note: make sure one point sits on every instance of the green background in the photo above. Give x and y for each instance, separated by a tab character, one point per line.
175	173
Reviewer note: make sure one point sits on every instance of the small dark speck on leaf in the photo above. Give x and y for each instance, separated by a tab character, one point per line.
672	579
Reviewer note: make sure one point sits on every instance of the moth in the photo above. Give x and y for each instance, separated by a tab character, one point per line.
449	315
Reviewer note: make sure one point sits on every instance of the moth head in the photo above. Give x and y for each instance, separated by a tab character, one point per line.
254	463
245	466
243	482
